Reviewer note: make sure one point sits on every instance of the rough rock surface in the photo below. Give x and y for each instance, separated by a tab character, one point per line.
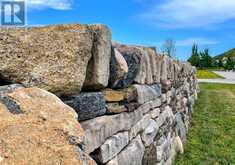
147	93
140	126
88	105
131	155
113	96
46	132
112	147
150	155
97	74
149	133
54	58
180	127
132	56
99	129
118	68
113	108
146	107
166	114
155	113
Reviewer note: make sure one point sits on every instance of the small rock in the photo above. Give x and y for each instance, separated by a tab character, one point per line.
179	148
140	126
130	94
132	106
146	107
166	114
147	93
166	85
155	113
115	108
131	155
149	133
112	147
113	95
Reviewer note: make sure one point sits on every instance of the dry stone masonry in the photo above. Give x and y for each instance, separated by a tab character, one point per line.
112	104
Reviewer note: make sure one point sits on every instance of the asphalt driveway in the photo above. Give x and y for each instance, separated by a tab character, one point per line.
229	78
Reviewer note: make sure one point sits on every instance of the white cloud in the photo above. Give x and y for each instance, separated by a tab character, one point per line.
54	4
191	41
42	4
190	13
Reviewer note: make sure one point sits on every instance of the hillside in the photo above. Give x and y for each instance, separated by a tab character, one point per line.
230	53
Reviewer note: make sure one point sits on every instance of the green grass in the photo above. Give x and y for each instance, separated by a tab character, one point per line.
211	139
206	74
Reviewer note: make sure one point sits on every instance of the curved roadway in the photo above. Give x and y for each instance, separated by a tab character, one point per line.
229	78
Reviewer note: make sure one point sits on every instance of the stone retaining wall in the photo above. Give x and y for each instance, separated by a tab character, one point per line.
139	124
133	103
143	116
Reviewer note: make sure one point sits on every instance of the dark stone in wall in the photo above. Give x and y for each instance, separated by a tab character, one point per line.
132	57
117	68
87	105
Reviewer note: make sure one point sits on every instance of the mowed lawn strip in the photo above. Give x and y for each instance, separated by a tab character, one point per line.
206	74
211	139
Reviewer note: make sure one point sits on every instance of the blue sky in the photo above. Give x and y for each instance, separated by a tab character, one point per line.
210	23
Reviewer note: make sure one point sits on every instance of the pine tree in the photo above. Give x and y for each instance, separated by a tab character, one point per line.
195	58
205	59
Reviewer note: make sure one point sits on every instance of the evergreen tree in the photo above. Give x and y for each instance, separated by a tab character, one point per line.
195	58
206	59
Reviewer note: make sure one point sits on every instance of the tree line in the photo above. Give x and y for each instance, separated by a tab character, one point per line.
202	59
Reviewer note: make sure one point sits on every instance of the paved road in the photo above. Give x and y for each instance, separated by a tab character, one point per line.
226	75
229	78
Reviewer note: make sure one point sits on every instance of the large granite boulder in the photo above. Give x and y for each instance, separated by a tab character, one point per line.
88	105
45	131
54	58
97	76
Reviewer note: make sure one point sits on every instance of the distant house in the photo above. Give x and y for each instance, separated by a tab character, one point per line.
224	60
